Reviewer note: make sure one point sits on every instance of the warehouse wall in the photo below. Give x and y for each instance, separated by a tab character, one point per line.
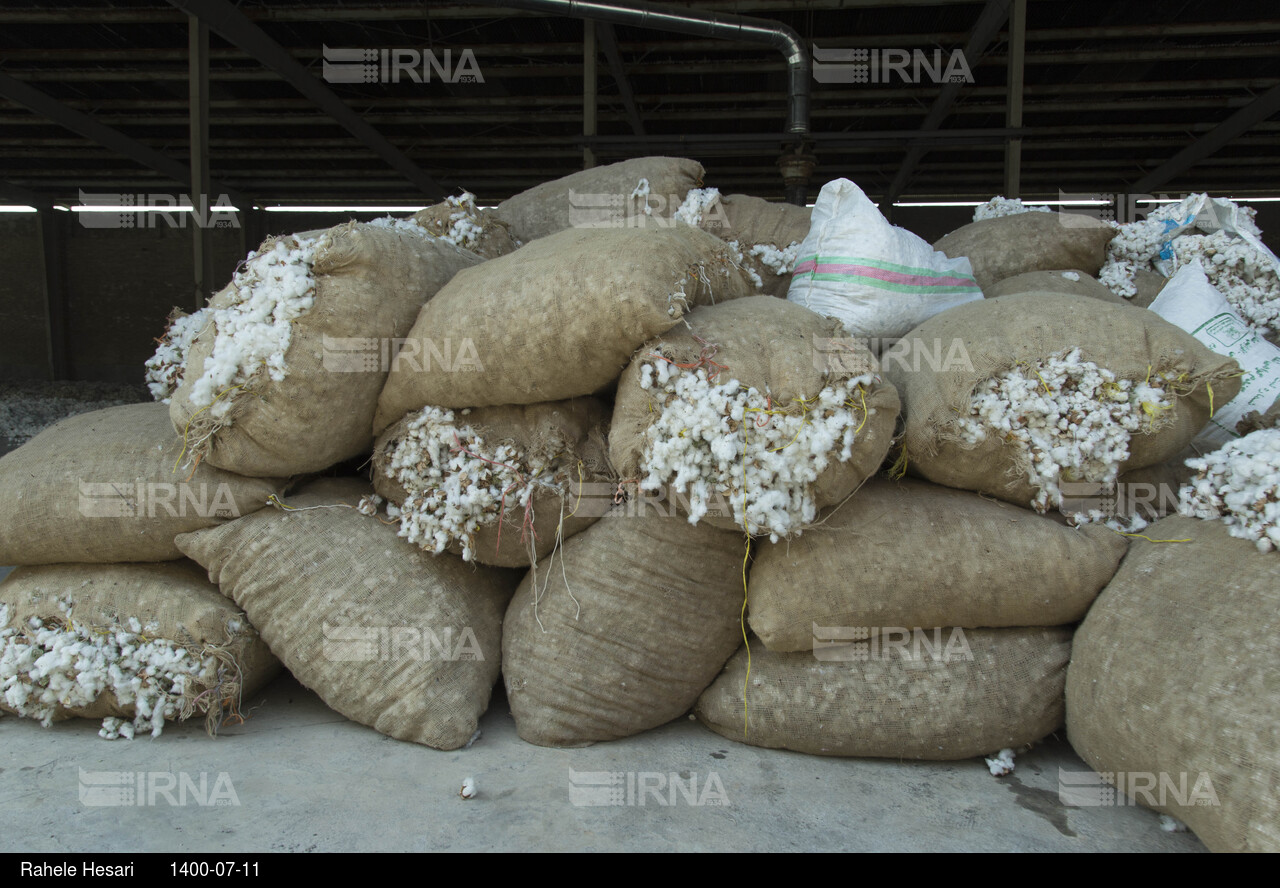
122	283
23	353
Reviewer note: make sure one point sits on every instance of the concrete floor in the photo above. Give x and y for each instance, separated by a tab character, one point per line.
298	777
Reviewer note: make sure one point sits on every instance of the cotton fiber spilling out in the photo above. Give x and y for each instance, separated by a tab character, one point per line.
1239	484
45	665
456	482
1218	233
781	260
754	416
269	291
283	377
1004	206
768	234
724	441
1051	390
164	368
1073	418
459	222
500	485
695	205
133	645
1247	277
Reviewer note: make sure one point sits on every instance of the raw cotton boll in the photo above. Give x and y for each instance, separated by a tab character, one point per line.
1239	484
1072	418
715	438
1001	763
696	202
468	790
456	221
268	292
781	261
457	483
68	664
1003	206
1246	277
164	368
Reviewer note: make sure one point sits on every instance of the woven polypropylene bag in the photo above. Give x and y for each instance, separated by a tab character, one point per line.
1004	246
641	192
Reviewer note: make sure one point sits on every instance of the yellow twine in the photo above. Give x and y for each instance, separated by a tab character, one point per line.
899	467
1147	538
187	430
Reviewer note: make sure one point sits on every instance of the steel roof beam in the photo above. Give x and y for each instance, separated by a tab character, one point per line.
233	26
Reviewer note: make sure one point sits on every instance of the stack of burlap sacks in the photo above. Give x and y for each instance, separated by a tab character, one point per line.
929	617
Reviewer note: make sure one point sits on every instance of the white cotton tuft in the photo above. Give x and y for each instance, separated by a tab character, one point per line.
1239	484
724	446
1001	763
1071	419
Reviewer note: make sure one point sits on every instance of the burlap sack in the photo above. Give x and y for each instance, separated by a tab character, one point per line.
1004	246
493	240
565	437
1149	284
998	334
602	197
103	487
1173	683
753	221
936	705
1051	283
648	617
1254	421
911	554
559	317
389	636
369	285
177	597
774	346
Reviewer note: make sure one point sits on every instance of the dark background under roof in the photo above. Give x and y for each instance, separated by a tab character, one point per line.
1113	91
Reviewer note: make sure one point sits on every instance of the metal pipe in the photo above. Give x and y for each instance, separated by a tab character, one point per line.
722	25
